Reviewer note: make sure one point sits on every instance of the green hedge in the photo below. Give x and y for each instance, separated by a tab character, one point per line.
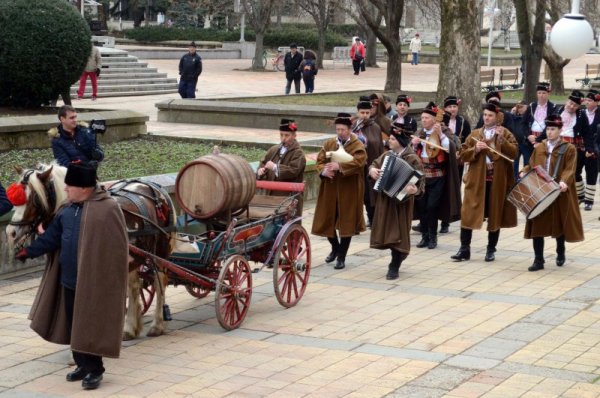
44	46
307	38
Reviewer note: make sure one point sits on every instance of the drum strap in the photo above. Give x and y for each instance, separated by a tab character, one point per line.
561	153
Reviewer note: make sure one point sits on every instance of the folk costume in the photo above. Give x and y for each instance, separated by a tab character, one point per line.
577	131
496	97
380	115
487	182
441	199
339	204
407	120
369	133
537	115
562	220
289	161
392	218
590	122
82	292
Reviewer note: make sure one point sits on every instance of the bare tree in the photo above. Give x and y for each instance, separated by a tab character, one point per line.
259	18
322	12
555	62
531	28
506	18
389	35
460	54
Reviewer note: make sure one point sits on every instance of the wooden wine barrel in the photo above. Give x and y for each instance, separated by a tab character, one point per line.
213	184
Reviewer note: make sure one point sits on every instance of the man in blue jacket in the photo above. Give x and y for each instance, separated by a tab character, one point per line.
5	205
190	68
73	141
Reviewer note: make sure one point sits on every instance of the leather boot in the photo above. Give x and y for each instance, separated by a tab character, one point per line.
432	242
392	272
331	257
340	264
489	255
560	259
424	241
464	253
536	266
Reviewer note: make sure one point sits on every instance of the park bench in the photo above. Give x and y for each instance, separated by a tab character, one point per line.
341	55
284	50
487	80
509	79
592	75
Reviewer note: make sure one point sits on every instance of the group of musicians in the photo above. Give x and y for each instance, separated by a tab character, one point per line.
561	141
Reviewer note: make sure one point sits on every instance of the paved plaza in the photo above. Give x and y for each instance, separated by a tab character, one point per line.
443	329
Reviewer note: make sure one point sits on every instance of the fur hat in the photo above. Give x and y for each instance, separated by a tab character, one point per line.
576	96
451	100
543	86
401	132
288	125
343	118
81	175
431	109
494	106
594	95
403	98
492	94
363	105
554	121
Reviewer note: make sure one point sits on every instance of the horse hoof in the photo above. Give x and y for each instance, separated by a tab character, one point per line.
154	332
128	336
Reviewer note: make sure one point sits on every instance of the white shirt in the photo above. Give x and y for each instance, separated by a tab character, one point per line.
549	148
541	112
569	120
489	134
591	115
445	142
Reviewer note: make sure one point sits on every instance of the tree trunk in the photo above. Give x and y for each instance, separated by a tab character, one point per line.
393	78
531	39
257	63
321	49
147	23
460	42
555	65
371	60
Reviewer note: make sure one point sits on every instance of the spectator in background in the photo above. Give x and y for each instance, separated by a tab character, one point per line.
292	61
390	111
92	69
415	49
357	54
72	141
5	205
521	131
190	68
308	66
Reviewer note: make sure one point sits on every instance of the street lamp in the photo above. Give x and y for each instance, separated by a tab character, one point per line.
492	12
572	35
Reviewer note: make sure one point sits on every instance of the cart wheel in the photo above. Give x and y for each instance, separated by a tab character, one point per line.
197	291
292	266
233	292
147	290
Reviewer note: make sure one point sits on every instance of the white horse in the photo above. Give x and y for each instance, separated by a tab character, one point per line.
45	191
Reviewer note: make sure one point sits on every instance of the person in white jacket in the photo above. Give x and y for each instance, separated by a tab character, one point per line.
415	49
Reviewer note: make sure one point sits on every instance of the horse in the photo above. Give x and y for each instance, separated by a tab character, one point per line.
150	219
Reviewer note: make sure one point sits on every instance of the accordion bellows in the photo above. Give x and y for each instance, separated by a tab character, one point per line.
395	175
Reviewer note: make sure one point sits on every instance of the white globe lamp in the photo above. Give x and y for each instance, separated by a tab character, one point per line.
572	36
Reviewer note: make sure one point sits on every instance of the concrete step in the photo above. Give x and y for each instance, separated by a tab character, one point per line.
125	65
128	88
119	70
125	93
120	82
129	76
113	58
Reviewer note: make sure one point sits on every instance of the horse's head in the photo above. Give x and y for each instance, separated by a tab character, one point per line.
39	194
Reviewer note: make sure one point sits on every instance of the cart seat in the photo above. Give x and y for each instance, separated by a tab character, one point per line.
262	206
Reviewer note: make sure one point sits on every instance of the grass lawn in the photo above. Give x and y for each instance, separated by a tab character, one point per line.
128	159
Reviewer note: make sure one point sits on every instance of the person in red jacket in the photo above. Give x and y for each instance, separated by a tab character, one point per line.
357	53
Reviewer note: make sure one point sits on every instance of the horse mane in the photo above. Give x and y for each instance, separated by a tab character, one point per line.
58	181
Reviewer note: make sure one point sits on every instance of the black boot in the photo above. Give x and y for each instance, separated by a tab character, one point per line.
489	255
394	266
335	246
560	251
331	257
342	250
493	237
536	266
424	240
432	241
464	253
340	263
560	259
444	227
416	228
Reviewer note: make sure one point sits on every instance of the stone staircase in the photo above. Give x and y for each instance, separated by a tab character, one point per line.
124	75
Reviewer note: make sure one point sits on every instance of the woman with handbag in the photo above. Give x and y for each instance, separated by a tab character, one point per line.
357	54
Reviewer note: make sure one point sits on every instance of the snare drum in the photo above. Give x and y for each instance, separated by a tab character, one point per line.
536	191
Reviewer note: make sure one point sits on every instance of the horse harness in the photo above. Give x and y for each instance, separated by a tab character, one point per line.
149	227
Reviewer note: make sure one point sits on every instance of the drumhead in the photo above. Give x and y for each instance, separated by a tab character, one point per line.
544	204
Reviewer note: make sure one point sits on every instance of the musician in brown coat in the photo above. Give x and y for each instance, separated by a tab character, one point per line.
487	182
285	161
392	219
339	204
369	133
562	220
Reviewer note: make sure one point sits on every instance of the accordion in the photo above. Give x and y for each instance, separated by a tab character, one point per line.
395	175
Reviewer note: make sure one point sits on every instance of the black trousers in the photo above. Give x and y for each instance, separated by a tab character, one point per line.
590	164
340	246
397	258
429	205
369	207
467	234
356	66
91	363
538	247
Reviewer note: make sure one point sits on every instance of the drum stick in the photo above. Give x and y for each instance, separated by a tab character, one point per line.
495	151
432	144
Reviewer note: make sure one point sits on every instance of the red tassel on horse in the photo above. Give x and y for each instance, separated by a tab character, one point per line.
16	194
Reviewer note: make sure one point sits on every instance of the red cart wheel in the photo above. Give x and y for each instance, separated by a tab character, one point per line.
233	292
292	266
197	291
147	287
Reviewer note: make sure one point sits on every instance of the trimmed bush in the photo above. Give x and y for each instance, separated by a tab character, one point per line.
44	47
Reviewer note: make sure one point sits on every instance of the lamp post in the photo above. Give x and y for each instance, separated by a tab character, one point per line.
572	36
492	11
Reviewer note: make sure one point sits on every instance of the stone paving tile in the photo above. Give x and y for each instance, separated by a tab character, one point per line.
313	342
495	348
411	391
26	371
523	331
401	353
545	372
550	316
470	362
504	298
444	377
